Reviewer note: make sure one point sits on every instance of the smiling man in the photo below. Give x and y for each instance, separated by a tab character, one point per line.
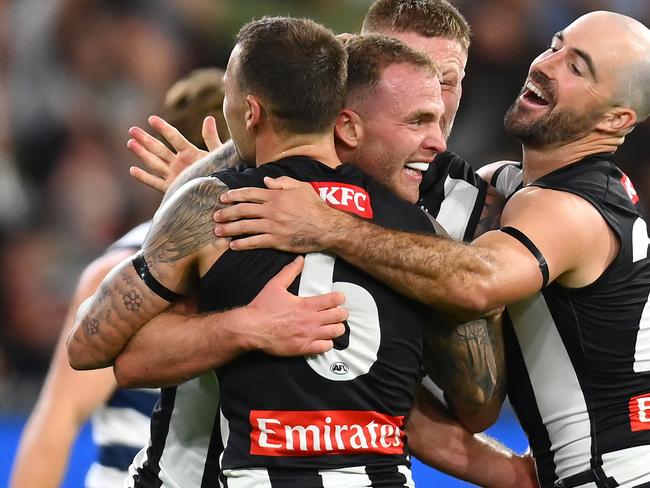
571	260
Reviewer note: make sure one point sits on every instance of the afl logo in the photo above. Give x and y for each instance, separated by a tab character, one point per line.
339	368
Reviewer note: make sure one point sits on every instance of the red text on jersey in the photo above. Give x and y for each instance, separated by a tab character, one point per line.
317	433
629	189
640	412
349	198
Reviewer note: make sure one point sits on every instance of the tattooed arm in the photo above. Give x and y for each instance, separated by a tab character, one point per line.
222	158
178	247
468	362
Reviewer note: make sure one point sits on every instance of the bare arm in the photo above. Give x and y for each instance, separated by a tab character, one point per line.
174	347
468	362
494	270
66	401
179	244
436	439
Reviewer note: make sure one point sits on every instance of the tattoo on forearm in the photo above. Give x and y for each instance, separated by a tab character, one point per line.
132	301
467	361
91	326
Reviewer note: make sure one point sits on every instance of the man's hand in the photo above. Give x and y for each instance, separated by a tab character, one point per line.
287	325
163	164
289	216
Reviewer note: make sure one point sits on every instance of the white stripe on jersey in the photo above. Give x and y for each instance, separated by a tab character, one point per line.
99	476
407	474
112	425
508	179
642	348
190	428
457	206
248	478
629	467
559	398
351	477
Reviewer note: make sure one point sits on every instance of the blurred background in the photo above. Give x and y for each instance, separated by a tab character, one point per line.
76	74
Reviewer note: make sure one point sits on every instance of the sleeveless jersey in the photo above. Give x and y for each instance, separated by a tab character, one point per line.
454	194
120	427
579	359
334	419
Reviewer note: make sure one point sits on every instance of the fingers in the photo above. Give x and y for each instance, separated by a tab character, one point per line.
263	241
210	133
283	183
242	227
148	179
289	273
249	194
318	347
239	211
170	133
150	147
327	301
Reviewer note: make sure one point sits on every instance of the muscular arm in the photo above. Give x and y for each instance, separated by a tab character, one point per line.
66	401
467	361
173	347
179	244
436	439
493	270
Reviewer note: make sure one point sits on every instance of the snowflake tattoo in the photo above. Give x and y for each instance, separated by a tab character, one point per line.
132	301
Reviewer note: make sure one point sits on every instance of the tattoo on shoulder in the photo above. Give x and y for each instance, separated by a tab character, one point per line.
186	224
224	158
91	325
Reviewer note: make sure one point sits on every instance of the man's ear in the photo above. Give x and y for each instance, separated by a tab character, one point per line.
254	112
348	129
617	121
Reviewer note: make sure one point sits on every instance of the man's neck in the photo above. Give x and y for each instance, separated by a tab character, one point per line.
540	161
274	146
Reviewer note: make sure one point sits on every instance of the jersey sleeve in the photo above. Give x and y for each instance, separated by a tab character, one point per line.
454	194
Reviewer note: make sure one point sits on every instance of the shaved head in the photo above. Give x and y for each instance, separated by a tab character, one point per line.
630	46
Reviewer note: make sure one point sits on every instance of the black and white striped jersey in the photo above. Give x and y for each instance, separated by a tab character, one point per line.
330	420
454	194
579	359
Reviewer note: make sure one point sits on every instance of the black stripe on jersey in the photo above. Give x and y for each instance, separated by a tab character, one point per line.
495	175
147	475
525	405
281	478
212	469
385	477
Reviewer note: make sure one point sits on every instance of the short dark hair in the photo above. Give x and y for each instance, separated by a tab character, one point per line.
429	18
297	67
191	99
370	54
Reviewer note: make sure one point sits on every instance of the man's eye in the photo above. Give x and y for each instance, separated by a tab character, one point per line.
575	70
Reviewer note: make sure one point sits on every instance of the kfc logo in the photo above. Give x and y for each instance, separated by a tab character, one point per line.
640	413
349	198
317	433
629	189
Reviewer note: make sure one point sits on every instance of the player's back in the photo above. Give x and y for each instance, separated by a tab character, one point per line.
327	420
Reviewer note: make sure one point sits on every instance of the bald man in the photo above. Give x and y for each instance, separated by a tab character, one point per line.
570	260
